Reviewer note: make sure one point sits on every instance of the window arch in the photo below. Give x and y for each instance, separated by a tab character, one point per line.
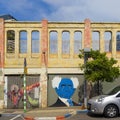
77	41
10	41
35	44
23	42
95	40
108	41
65	42
53	42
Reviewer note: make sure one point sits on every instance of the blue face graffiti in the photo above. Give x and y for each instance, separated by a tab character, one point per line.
65	88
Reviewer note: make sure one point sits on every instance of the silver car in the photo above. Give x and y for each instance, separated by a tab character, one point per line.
109	105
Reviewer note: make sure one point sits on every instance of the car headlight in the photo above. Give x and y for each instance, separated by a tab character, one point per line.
100	99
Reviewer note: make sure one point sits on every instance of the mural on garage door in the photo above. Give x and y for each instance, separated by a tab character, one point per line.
15	94
15	91
65	89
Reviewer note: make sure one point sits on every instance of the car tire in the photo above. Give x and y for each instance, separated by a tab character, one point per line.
111	111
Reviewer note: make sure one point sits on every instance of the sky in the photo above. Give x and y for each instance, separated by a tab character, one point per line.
62	10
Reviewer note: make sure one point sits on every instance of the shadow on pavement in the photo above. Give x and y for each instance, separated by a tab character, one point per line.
95	115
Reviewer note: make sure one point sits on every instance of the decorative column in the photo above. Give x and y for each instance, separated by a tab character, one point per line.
1	63
114	43
59	44
102	41
44	60
29	43
71	44
16	44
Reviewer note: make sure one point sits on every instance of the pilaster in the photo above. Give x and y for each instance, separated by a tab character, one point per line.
44	57
1	63
87	34
44	41
1	43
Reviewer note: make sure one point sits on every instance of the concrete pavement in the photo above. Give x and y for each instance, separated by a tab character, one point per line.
49	113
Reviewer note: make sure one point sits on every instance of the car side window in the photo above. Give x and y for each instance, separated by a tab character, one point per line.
118	95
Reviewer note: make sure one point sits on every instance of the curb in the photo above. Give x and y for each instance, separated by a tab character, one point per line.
61	117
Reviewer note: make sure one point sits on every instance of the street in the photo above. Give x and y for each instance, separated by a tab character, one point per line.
81	116
11	117
53	113
87	116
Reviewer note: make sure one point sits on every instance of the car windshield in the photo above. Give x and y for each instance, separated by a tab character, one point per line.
115	90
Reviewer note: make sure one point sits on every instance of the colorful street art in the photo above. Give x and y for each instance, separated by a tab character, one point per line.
65	88
15	94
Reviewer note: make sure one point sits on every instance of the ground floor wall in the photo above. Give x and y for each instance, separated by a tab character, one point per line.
47	92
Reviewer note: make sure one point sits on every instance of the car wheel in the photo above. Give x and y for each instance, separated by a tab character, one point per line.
111	111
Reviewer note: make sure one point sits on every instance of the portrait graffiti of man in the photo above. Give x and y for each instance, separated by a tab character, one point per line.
65	88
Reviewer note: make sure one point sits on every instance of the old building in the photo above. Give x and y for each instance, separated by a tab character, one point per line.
51	50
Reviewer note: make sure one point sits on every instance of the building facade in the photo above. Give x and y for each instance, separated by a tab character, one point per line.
51	50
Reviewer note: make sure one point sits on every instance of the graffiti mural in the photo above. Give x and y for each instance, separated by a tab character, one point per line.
15	94
65	88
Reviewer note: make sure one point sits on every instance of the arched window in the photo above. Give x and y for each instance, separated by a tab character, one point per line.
23	42
108	41
65	42
118	41
10	41
95	40
53	42
77	42
35	47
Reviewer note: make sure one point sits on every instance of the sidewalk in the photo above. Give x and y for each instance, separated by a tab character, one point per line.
50	113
